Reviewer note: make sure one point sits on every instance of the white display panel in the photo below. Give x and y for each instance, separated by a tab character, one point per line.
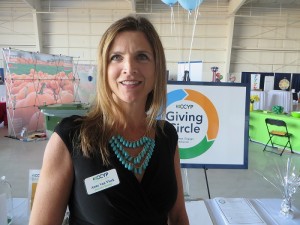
211	122
194	69
255	81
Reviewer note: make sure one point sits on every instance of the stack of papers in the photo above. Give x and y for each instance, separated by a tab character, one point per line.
238	211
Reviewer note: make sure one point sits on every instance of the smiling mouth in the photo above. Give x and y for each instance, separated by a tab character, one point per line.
130	82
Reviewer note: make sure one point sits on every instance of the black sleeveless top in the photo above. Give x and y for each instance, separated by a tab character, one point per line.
130	202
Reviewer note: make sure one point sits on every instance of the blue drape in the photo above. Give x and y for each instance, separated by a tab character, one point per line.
246	78
296	84
279	77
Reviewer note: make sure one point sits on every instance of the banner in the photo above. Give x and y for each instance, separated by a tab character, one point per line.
255	81
35	79
211	122
85	89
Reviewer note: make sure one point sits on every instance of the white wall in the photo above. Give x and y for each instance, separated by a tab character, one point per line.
261	41
208	43
266	41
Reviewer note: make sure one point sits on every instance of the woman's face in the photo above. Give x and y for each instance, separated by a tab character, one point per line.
131	68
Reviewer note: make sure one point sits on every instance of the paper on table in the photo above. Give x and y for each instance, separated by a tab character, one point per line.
197	210
237	211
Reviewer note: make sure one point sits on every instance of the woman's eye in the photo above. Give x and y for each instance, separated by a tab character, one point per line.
115	58
143	57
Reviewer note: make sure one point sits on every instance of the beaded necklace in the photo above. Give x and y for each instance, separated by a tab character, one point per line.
136	164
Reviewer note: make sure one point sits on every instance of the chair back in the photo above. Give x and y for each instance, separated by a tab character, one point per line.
279	123
275	122
278	128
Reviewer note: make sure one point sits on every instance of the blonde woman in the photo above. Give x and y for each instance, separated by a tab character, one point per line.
120	163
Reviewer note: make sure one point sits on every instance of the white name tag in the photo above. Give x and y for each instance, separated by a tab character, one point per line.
101	181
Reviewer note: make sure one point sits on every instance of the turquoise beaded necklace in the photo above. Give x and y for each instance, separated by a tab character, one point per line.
136	164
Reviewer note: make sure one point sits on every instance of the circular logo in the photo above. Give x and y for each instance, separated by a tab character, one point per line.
195	119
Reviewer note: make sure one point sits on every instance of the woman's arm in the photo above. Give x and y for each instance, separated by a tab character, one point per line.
178	215
54	184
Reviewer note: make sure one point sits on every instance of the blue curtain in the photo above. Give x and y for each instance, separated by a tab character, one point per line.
1	76
246	78
279	77
296	84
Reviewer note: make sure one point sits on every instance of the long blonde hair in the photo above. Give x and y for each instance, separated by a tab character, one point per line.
105	115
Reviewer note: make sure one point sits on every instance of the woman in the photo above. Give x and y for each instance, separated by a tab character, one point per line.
119	164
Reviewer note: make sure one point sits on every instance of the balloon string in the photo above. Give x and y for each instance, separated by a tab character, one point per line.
193	34
173	26
172	14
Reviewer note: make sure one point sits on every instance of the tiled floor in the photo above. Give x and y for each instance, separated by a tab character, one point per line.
16	158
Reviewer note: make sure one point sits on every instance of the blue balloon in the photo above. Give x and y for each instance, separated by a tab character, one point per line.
90	78
190	4
169	2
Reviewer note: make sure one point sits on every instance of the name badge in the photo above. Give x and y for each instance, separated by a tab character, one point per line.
101	181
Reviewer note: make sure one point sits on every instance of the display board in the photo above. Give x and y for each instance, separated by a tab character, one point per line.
255	81
212	122
190	71
87	75
33	79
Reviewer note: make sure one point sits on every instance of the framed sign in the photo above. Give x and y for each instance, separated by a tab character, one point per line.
190	71
255	81
211	120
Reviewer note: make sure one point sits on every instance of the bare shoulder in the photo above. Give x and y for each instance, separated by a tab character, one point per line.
57	158
55	149
54	185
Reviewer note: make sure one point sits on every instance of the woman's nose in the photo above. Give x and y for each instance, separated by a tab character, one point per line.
130	66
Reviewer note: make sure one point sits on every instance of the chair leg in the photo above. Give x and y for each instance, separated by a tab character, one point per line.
291	146
272	142
268	143
283	149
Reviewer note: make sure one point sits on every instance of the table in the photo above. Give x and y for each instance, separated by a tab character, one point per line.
267	208
3	115
273	97
258	130
279	97
21	213
261	104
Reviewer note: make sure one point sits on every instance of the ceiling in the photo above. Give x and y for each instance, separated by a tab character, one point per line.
154	6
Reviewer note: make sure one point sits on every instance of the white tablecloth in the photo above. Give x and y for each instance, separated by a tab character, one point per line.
274	97
268	209
21	213
282	98
261	104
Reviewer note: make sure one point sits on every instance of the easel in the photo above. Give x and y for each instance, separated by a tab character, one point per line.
186	181
206	180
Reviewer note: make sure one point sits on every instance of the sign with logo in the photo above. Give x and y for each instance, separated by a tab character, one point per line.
210	119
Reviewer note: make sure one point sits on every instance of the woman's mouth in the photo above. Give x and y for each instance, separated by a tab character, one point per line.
130	82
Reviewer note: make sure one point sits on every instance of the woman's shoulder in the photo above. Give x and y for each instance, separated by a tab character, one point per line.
166	125
68	128
168	128
68	124
168	135
74	119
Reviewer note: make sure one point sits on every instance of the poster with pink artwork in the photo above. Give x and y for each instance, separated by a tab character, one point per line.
34	79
